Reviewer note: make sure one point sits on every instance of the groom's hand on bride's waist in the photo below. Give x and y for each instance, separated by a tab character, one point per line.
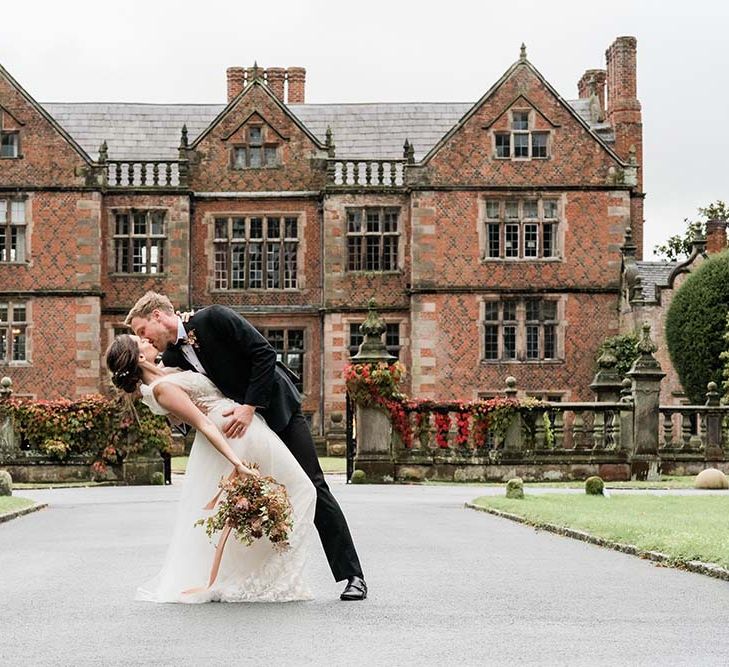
241	417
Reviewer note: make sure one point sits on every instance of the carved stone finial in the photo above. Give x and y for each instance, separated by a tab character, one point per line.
6	387
408	151
256	73
183	137
626	391
331	148
510	390
645	345
103	152
522	52
372	349
712	395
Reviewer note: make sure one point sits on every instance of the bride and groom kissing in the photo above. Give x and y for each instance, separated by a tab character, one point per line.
221	376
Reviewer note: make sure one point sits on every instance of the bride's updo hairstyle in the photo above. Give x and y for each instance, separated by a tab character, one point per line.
122	360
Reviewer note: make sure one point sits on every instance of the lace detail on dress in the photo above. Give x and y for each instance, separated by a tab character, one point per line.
203	393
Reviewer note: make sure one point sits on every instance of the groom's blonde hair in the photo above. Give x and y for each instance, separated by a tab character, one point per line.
151	301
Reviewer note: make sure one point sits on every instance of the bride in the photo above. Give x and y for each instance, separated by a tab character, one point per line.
255	573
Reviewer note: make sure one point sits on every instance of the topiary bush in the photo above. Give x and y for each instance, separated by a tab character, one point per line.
358	477
594	486
6	483
157	478
695	326
515	488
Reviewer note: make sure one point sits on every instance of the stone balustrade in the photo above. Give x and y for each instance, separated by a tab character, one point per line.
145	173
366	173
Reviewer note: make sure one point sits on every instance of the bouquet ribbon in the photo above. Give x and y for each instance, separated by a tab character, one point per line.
225	533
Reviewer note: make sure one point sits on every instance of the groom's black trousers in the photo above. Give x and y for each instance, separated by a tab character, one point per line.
328	518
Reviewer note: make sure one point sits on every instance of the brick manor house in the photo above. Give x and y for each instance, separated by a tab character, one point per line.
490	234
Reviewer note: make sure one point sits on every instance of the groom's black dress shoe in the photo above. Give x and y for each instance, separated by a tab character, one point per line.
356	589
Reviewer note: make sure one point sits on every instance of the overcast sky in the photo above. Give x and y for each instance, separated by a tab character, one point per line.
390	51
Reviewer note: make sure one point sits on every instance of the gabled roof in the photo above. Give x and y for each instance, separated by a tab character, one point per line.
522	62
47	116
654	274
135	131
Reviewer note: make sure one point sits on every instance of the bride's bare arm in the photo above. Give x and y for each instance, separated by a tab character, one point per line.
175	399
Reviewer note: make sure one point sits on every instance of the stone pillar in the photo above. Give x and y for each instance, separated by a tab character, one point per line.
336	435
512	437
713	449
9	445
646	376
607	383
374	428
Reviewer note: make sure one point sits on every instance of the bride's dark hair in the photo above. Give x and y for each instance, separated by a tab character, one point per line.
122	360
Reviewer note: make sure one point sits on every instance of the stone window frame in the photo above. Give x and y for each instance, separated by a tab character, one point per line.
363	235
355	337
159	240
6	134
8	225
519	324
284	352
268	151
10	328
246	241
492	231
516	130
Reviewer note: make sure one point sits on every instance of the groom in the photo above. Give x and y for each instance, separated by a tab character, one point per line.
224	346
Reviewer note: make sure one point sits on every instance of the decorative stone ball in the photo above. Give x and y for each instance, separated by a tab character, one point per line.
711	478
515	488
6	483
157	478
358	477
594	486
336	417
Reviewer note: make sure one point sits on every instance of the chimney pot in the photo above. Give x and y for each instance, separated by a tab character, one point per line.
716	236
297	83
276	78
236	77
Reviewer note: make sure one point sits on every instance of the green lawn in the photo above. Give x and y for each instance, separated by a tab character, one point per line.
665	482
329	464
684	527
13	503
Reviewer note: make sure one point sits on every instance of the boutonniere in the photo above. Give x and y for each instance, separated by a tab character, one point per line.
192	339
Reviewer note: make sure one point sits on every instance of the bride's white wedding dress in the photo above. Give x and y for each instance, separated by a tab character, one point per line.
253	573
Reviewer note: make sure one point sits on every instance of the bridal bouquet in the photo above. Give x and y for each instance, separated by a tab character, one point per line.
251	507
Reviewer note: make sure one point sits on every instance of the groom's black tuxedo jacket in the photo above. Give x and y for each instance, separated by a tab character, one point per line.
241	362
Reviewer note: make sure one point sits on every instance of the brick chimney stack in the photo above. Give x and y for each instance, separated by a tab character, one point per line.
276	78
236	77
596	77
623	107
297	81
716	236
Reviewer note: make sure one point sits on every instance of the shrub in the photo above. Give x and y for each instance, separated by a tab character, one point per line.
358	477
594	486
6	483
107	428
622	347
695	326
515	488
157	478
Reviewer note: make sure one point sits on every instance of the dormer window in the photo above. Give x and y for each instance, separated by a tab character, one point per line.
257	153
9	144
522	141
